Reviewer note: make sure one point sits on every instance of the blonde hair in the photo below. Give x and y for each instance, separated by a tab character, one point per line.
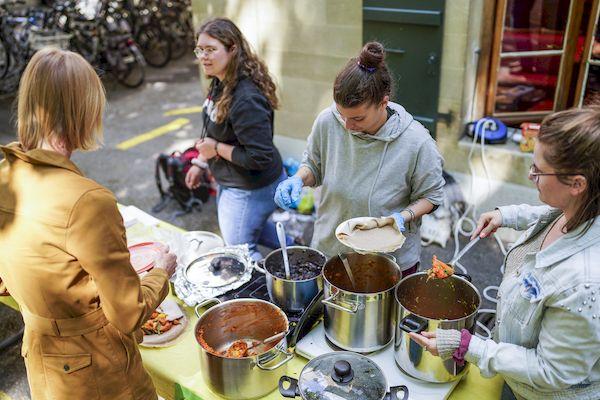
60	98
572	140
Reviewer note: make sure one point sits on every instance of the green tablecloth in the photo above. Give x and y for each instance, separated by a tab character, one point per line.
176	369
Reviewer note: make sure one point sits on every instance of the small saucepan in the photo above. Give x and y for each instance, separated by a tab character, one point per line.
306	265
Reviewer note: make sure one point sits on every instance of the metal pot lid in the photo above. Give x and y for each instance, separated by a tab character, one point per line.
201	242
216	269
342	375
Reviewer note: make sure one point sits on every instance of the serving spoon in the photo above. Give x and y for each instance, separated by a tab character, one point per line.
347	268
281	237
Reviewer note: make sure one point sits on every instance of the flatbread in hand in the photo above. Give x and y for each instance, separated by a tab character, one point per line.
370	235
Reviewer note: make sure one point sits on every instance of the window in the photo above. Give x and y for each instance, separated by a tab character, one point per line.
588	89
536	57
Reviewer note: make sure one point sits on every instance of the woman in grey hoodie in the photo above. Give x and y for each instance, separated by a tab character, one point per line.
370	157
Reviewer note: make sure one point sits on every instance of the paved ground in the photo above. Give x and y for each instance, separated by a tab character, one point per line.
130	174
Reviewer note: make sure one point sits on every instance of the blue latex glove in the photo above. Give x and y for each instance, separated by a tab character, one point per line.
287	194
399	221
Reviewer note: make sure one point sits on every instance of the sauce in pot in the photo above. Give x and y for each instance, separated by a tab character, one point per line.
371	275
440	299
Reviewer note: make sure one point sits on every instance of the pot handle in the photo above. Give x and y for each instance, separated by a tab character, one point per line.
212	302
331	302
288	357
412	323
260	266
395	391
292	391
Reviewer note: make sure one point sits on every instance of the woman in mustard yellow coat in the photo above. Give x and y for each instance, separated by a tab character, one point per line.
63	253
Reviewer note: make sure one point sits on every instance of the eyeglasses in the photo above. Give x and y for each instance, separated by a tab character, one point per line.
535	173
208	51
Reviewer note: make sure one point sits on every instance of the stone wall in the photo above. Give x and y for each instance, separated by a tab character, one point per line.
305	43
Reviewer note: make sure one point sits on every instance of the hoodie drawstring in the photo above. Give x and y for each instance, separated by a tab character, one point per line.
377	177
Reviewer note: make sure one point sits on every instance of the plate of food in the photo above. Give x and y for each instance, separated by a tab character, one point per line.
165	325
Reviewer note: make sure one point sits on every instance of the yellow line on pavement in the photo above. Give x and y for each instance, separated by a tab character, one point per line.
154	133
4	396
183	111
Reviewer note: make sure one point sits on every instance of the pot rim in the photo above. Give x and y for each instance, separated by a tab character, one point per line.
437	319
292	280
244	300
365	293
342	352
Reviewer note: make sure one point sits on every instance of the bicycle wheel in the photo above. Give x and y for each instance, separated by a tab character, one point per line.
179	40
4	59
129	70
155	46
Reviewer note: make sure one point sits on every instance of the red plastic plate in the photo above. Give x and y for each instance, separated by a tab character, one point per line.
143	255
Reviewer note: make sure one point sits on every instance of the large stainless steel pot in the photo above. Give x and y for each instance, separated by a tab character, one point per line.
242	319
360	318
293	295
425	305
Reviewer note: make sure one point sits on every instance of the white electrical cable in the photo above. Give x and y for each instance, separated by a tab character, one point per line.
489	297
469	216
488	332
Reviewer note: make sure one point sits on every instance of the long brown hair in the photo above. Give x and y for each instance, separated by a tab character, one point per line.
365	78
572	140
243	63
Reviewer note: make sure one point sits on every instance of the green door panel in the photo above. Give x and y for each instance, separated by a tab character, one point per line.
412	33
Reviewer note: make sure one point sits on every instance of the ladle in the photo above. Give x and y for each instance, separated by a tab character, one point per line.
464	250
348	269
282	244
269	339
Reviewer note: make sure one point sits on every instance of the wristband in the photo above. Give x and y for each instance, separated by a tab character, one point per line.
199	163
463	347
412	214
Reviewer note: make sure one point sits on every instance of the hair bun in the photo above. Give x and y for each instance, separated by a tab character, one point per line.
372	55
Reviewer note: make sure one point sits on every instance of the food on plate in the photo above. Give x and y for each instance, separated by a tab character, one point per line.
165	325
158	324
439	270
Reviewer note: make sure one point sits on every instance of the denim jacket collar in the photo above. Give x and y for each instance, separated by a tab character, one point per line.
566	246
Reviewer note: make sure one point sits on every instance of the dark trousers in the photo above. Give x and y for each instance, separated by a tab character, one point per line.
410	270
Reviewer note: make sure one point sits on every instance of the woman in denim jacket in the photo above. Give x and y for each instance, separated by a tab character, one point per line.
547	336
